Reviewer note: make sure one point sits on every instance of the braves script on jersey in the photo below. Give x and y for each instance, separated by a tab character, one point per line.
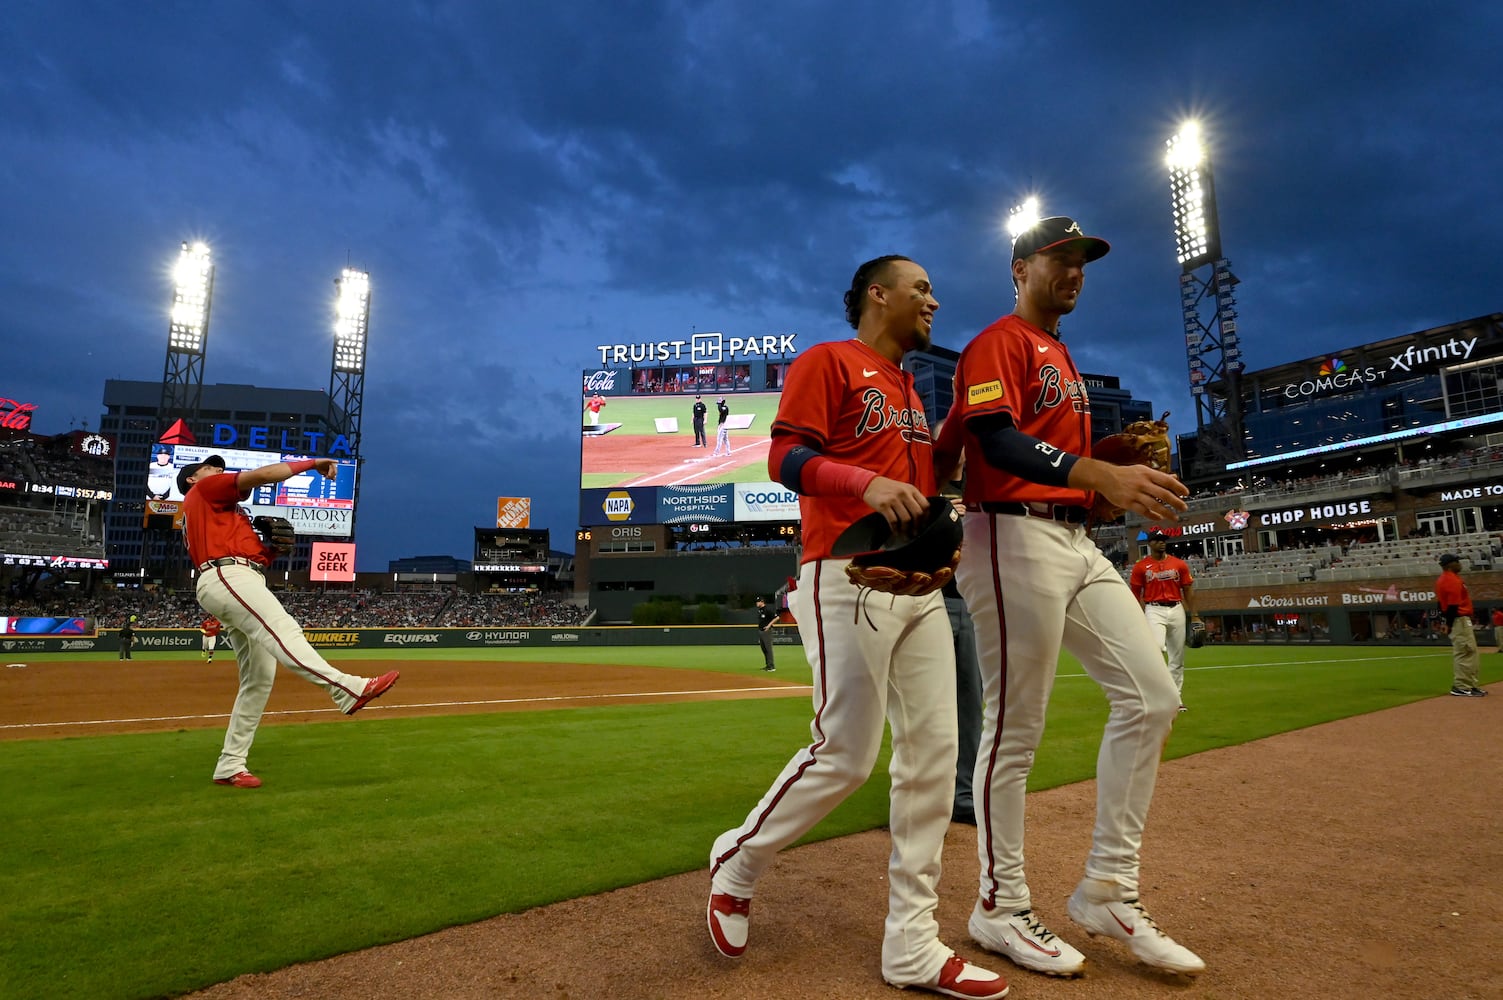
1015	368
213	527
1161	579
853	406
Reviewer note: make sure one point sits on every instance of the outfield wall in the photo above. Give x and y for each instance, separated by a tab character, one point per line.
179	640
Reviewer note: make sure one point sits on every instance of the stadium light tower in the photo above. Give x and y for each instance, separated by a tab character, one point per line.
1212	350
352	314
187	334
1023	217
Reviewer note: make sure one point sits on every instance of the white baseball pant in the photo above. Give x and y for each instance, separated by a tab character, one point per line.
1168	626
900	667
263	634
1032	583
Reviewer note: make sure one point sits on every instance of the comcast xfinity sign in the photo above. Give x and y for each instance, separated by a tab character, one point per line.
700	349
1334	373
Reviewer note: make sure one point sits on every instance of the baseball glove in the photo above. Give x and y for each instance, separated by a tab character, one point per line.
1196	637
276	534
911	563
1142	442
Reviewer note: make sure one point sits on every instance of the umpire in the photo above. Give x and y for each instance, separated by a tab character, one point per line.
766	618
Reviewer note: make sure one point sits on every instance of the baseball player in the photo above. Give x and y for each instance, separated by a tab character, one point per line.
851	437
766	618
1033	580
210	631
722	432
593	406
1165	590
1456	604
232	561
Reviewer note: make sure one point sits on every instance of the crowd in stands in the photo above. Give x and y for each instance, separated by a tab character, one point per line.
318	609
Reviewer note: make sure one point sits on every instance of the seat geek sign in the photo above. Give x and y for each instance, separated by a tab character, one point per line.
332	562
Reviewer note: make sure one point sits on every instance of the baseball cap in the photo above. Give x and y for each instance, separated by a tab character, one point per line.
188	470
1155	535
761	599
1053	231
1449	558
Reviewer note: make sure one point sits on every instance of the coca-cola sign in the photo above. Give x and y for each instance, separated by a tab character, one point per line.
16	415
600	381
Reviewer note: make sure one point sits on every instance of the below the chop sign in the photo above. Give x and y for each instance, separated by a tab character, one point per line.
1315	512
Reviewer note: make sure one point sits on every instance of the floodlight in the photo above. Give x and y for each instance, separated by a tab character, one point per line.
1192	193
351	320
193	280
1023	217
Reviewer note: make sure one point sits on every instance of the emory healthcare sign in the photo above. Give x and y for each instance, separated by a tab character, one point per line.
332	562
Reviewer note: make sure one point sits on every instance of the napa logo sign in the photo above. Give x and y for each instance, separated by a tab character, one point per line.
1333	373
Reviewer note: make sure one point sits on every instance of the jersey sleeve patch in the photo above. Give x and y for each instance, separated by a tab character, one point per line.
985	392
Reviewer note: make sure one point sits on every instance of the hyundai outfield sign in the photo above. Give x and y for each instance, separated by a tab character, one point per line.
765	502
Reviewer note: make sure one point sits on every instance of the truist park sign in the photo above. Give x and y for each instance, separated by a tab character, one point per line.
699	349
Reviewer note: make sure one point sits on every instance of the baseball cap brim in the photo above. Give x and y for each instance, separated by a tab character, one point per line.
1094	247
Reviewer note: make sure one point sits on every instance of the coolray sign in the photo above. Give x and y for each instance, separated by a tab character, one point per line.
765	502
1281	601
1315	512
332	561
679	504
282	440
708	348
410	638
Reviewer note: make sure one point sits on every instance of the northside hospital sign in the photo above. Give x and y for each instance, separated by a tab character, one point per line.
702	349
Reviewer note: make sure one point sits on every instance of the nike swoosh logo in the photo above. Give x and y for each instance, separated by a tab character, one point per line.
868	372
1051	952
1058	459
1120	924
1043	348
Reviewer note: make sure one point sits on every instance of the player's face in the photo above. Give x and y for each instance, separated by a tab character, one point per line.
911	305
1157	549
1052	279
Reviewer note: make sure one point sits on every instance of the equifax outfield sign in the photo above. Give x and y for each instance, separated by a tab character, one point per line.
701	348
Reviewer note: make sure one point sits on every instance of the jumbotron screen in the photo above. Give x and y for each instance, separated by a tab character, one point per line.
646	459
314	504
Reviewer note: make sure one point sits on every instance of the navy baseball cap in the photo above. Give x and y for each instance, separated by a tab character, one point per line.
1449	558
188	470
1046	234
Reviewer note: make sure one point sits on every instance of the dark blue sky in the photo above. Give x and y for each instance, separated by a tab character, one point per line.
526	181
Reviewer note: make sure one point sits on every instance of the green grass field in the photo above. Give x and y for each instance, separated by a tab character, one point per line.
129	875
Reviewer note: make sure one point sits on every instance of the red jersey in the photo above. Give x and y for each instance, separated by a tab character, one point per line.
853	406
1450	590
1015	368
211	626
595	404
1160	579
214	526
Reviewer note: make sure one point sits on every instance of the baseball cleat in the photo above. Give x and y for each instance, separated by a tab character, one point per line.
729	920
242	780
1476	693
374	688
959	978
1127	921
1461	692
1022	939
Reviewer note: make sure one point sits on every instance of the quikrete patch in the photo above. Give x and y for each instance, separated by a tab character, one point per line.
984	392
